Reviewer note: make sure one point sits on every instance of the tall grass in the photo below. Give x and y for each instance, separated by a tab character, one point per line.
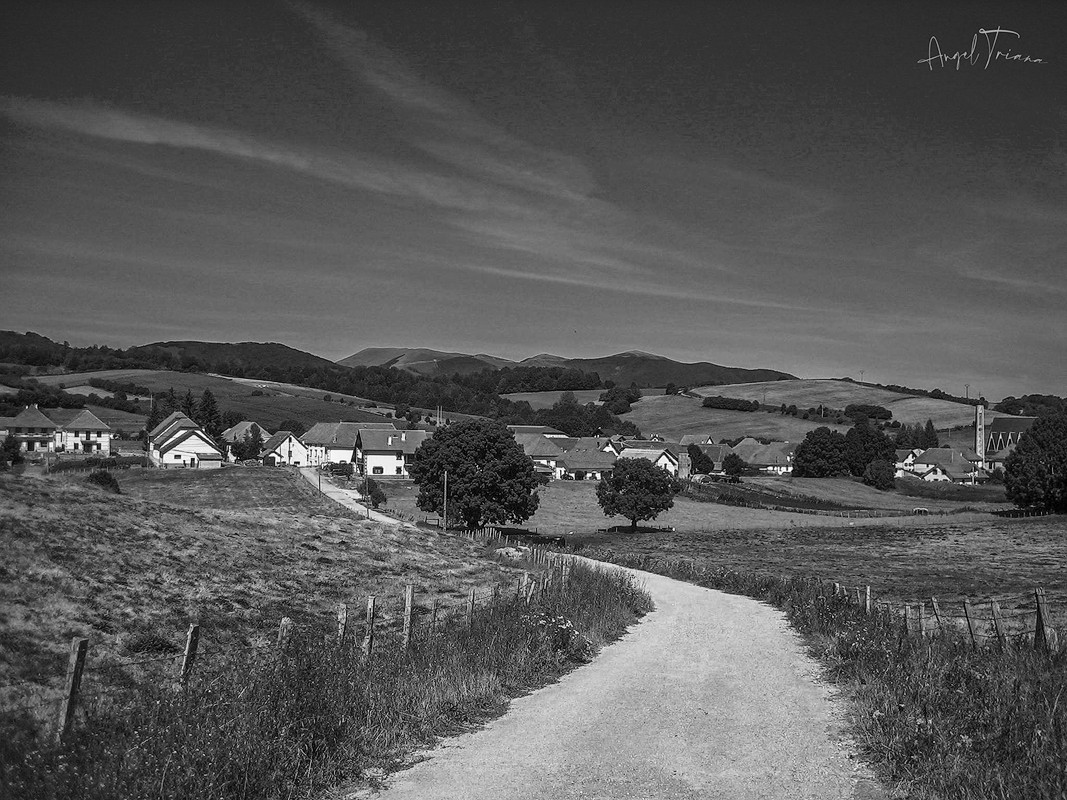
268	725
936	717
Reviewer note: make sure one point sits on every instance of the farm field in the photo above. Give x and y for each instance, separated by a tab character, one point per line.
811	393
268	409
967	555
846	492
571	506
672	416
234	549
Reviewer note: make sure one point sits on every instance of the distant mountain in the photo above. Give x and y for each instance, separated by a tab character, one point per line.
423	361
645	369
239	355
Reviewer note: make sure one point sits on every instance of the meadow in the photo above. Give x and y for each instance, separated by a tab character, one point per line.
268	407
811	393
232	549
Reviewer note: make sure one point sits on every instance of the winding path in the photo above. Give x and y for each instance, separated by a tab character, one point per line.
349	498
711	696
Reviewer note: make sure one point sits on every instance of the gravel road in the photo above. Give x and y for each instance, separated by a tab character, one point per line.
711	696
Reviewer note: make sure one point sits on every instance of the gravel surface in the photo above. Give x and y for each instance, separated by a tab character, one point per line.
711	696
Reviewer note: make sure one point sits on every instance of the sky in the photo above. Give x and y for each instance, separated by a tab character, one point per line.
876	190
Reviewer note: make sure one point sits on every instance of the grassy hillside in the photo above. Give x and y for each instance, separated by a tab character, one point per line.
672	416
235	549
838	394
246	355
268	408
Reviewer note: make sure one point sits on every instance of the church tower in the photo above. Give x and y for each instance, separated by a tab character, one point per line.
979	433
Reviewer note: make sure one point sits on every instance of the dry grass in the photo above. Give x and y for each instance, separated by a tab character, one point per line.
233	549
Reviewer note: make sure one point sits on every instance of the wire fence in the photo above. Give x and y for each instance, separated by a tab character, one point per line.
386	624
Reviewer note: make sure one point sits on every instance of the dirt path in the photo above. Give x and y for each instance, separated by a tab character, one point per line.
349	498
711	696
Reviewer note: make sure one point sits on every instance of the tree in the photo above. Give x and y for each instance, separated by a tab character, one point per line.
9	451
490	478
208	416
231	418
864	444
820	455
637	489
188	404
294	426
1035	472
375	493
930	436
880	474
733	465
250	446
700	463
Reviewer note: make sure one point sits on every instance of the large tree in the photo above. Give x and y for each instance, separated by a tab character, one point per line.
863	444
1035	472
820	455
250	446
491	481
733	465
700	463
208	415
637	489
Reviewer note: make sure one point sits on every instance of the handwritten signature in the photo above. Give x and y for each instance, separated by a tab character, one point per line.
974	55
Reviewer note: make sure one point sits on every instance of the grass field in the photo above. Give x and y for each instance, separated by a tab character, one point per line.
838	394
672	416
235	549
268	408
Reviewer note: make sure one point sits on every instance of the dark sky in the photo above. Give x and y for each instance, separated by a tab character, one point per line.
757	184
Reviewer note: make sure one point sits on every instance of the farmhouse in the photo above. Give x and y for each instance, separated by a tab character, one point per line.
954	465
581	465
240	430
60	430
284	448
544	452
335	442
661	457
775	458
905	462
387	453
177	441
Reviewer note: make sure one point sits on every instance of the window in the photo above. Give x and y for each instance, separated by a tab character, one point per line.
177	458
399	470
377	470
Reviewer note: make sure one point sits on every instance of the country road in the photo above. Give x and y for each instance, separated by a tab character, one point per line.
349	498
711	696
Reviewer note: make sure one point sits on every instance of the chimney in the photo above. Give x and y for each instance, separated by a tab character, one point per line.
389	443
404	436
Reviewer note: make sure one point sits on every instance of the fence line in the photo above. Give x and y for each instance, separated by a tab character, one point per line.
412	631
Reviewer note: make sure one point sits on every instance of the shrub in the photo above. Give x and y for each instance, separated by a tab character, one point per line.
105	480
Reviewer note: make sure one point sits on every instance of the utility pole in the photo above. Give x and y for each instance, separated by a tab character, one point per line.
967	388
861	375
444	524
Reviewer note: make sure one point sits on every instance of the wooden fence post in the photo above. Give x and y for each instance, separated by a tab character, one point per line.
922	620
192	641
75	667
565	578
969	616
285	629
409	605
937	616
529	592
1042	629
342	623
998	624
471	596
433	616
368	636
907	619
867	601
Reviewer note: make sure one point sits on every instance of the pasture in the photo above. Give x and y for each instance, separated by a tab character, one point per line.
673	416
811	393
234	549
268	407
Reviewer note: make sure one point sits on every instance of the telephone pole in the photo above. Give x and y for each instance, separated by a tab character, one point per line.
444	524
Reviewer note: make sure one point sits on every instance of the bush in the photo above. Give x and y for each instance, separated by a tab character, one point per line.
105	480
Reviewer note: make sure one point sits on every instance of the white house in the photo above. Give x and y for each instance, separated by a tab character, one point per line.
177	441
335	442
84	434
661	457
284	448
387	453
957	466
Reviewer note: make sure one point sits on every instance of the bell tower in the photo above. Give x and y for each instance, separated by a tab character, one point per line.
979	433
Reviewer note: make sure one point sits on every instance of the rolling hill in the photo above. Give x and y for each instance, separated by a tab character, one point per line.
644	369
240	355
